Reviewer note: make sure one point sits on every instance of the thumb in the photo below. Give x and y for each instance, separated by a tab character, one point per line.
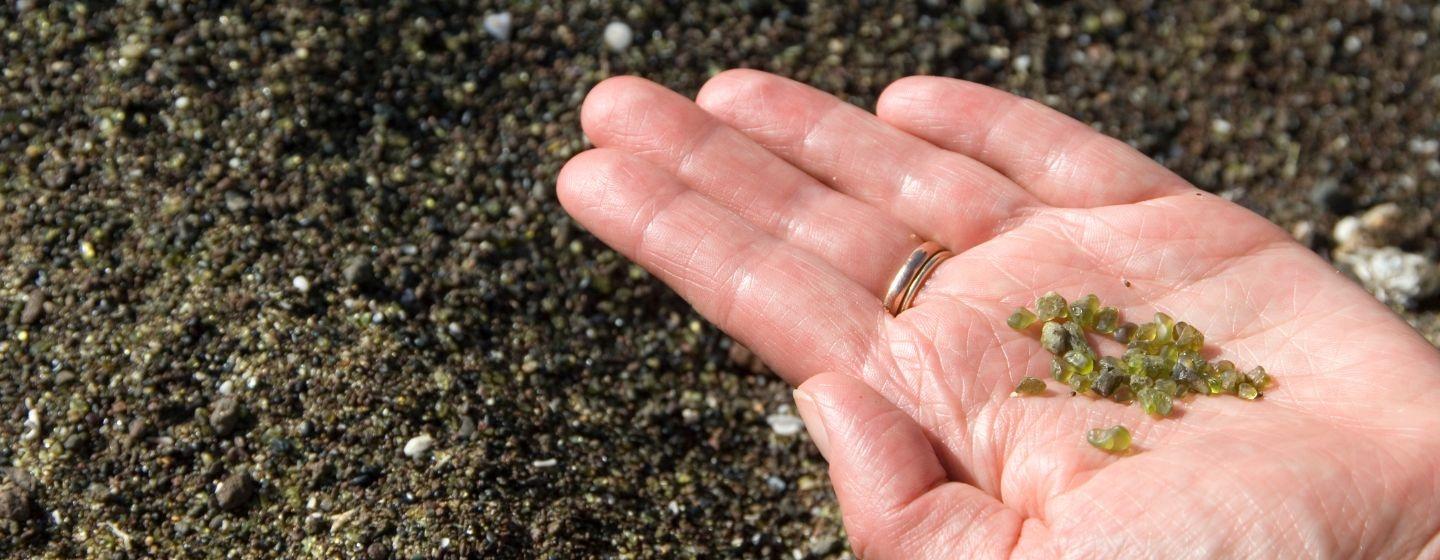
896	498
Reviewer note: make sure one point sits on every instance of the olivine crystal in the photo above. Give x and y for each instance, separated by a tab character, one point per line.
1106	320
1050	307
1125	332
1247	392
1083	310
1021	319
1054	338
1028	386
1079	362
1115	439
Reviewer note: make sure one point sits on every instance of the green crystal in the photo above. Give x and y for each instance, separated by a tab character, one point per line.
1079	362
1122	394
1050	307
1229	380
1112	375
1106	320
1144	336
1054	339
1258	378
1115	439
1125	332
1186	376
1168	386
1247	392
1021	319
1059	370
1164	328
1029	386
1188	337
1154	401
1081	383
1083	310
1214	385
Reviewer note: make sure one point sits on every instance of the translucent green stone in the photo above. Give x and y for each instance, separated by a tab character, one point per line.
1125	332
1144	336
1122	394
1223	366
1029	386
1154	401
1050	307
1021	319
1106	320
1054	339
1115	439
1164	328
1258	378
1188	337
1214	385
1079	362
1167	386
1183	374
1083	310
1059	370
1138	382
1247	392
1229	381
1081	383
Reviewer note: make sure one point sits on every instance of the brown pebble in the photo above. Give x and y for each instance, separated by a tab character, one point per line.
235	492
34	308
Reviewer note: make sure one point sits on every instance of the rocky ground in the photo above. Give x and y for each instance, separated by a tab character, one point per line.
282	279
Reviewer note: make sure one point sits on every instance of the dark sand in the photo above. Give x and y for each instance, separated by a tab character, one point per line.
167	174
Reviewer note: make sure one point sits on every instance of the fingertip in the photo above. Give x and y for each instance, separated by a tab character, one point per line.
728	89
614	101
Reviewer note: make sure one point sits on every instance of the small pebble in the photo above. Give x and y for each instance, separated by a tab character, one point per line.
235	492
301	283
618	36
419	446
225	415
498	25
15	503
34	308
785	425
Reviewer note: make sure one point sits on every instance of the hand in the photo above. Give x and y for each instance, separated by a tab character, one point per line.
780	213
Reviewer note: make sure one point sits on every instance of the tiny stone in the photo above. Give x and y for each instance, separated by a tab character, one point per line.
498	25
359	272
1258	378
34	308
1059	370
235	492
785	425
1083	311
618	36
1054	339
1021	319
1111	376
1125	332
419	446
1247	392
1080	362
301	283
1077	338
14	503
1154	401
1106	319
1029	386
225	416
1115	439
1050	306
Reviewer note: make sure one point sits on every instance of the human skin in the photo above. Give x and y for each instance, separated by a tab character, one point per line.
780	213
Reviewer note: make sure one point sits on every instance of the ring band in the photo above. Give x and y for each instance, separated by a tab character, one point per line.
901	284
920	277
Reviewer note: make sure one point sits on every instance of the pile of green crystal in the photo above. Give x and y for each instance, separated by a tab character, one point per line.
1161	362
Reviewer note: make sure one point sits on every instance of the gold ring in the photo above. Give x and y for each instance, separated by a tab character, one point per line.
904	277
920	277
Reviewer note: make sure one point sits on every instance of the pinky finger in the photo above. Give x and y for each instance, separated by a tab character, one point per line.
897	500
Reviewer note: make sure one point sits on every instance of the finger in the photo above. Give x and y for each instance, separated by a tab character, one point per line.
760	290
673	133
895	495
1061	160
937	193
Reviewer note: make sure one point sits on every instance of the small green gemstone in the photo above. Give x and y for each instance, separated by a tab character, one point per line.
1229	380
1223	366
1144	336
1258	378
1059	370
1050	306
1080	362
1123	394
1106	320
1021	319
1083	310
1029	386
1164	328
1154	401
1138	382
1168	386
1054	339
1247	392
1186	376
1125	332
1081	383
1114	439
1213	384
1188	337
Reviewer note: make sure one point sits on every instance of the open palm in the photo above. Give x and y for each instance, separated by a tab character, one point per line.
781	212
